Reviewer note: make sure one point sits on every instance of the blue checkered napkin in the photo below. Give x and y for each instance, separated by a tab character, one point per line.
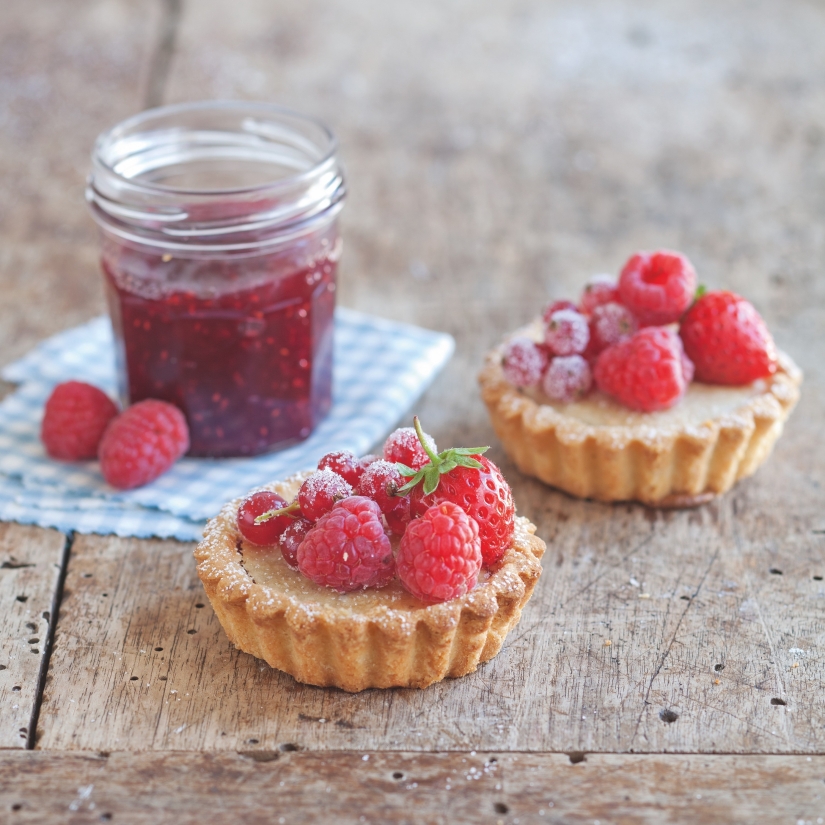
380	369
66	512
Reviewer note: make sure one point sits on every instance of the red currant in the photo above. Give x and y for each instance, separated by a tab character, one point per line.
267	532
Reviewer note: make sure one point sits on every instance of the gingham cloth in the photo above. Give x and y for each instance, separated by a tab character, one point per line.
380	368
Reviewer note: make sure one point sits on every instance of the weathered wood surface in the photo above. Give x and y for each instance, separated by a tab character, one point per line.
647	632
67	71
498	153
30	564
401	788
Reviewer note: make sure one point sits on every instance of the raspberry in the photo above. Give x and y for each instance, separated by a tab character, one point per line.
142	443
567	332
609	324
484	495
567	379
403	447
291	540
688	367
75	417
657	287
319	493
440	554
345	464
524	362
348	549
380	482
555	306
266	532
727	340
644	372
599	290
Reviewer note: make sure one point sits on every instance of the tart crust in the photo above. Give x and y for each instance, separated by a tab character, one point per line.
680	464
372	641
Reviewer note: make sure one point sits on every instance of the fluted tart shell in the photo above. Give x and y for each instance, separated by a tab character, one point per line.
597	449
364	639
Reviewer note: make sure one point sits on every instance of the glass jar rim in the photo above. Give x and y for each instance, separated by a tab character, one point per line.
126	197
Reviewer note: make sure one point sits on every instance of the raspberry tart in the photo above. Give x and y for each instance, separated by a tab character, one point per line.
649	389
401	571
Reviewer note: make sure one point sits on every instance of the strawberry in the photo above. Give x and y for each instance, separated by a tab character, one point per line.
465	477
727	340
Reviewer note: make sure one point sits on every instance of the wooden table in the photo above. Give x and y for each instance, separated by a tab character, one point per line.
670	665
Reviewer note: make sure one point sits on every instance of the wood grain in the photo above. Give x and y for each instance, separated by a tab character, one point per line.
30	565
498	153
396	788
647	632
67	72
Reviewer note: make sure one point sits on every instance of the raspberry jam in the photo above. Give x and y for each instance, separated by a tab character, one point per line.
222	298
249	363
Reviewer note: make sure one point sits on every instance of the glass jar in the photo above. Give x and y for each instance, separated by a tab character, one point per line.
218	225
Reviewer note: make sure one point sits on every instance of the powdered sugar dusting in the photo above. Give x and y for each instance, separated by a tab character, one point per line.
600	289
326	481
612	323
567	379
524	362
567	332
403	445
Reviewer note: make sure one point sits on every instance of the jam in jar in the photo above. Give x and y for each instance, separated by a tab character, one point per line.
219	251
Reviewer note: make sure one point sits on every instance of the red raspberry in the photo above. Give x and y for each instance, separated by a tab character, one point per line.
75	417
345	464
567	379
291	540
439	557
524	362
688	367
142	443
484	495
644	372
599	290
319	493
657	287
567	332
555	306
403	447
348	549
380	482
727	340
268	532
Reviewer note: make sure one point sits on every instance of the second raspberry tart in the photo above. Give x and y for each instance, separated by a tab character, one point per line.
649	390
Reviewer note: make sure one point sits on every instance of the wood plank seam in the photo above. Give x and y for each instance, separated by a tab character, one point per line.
57	597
